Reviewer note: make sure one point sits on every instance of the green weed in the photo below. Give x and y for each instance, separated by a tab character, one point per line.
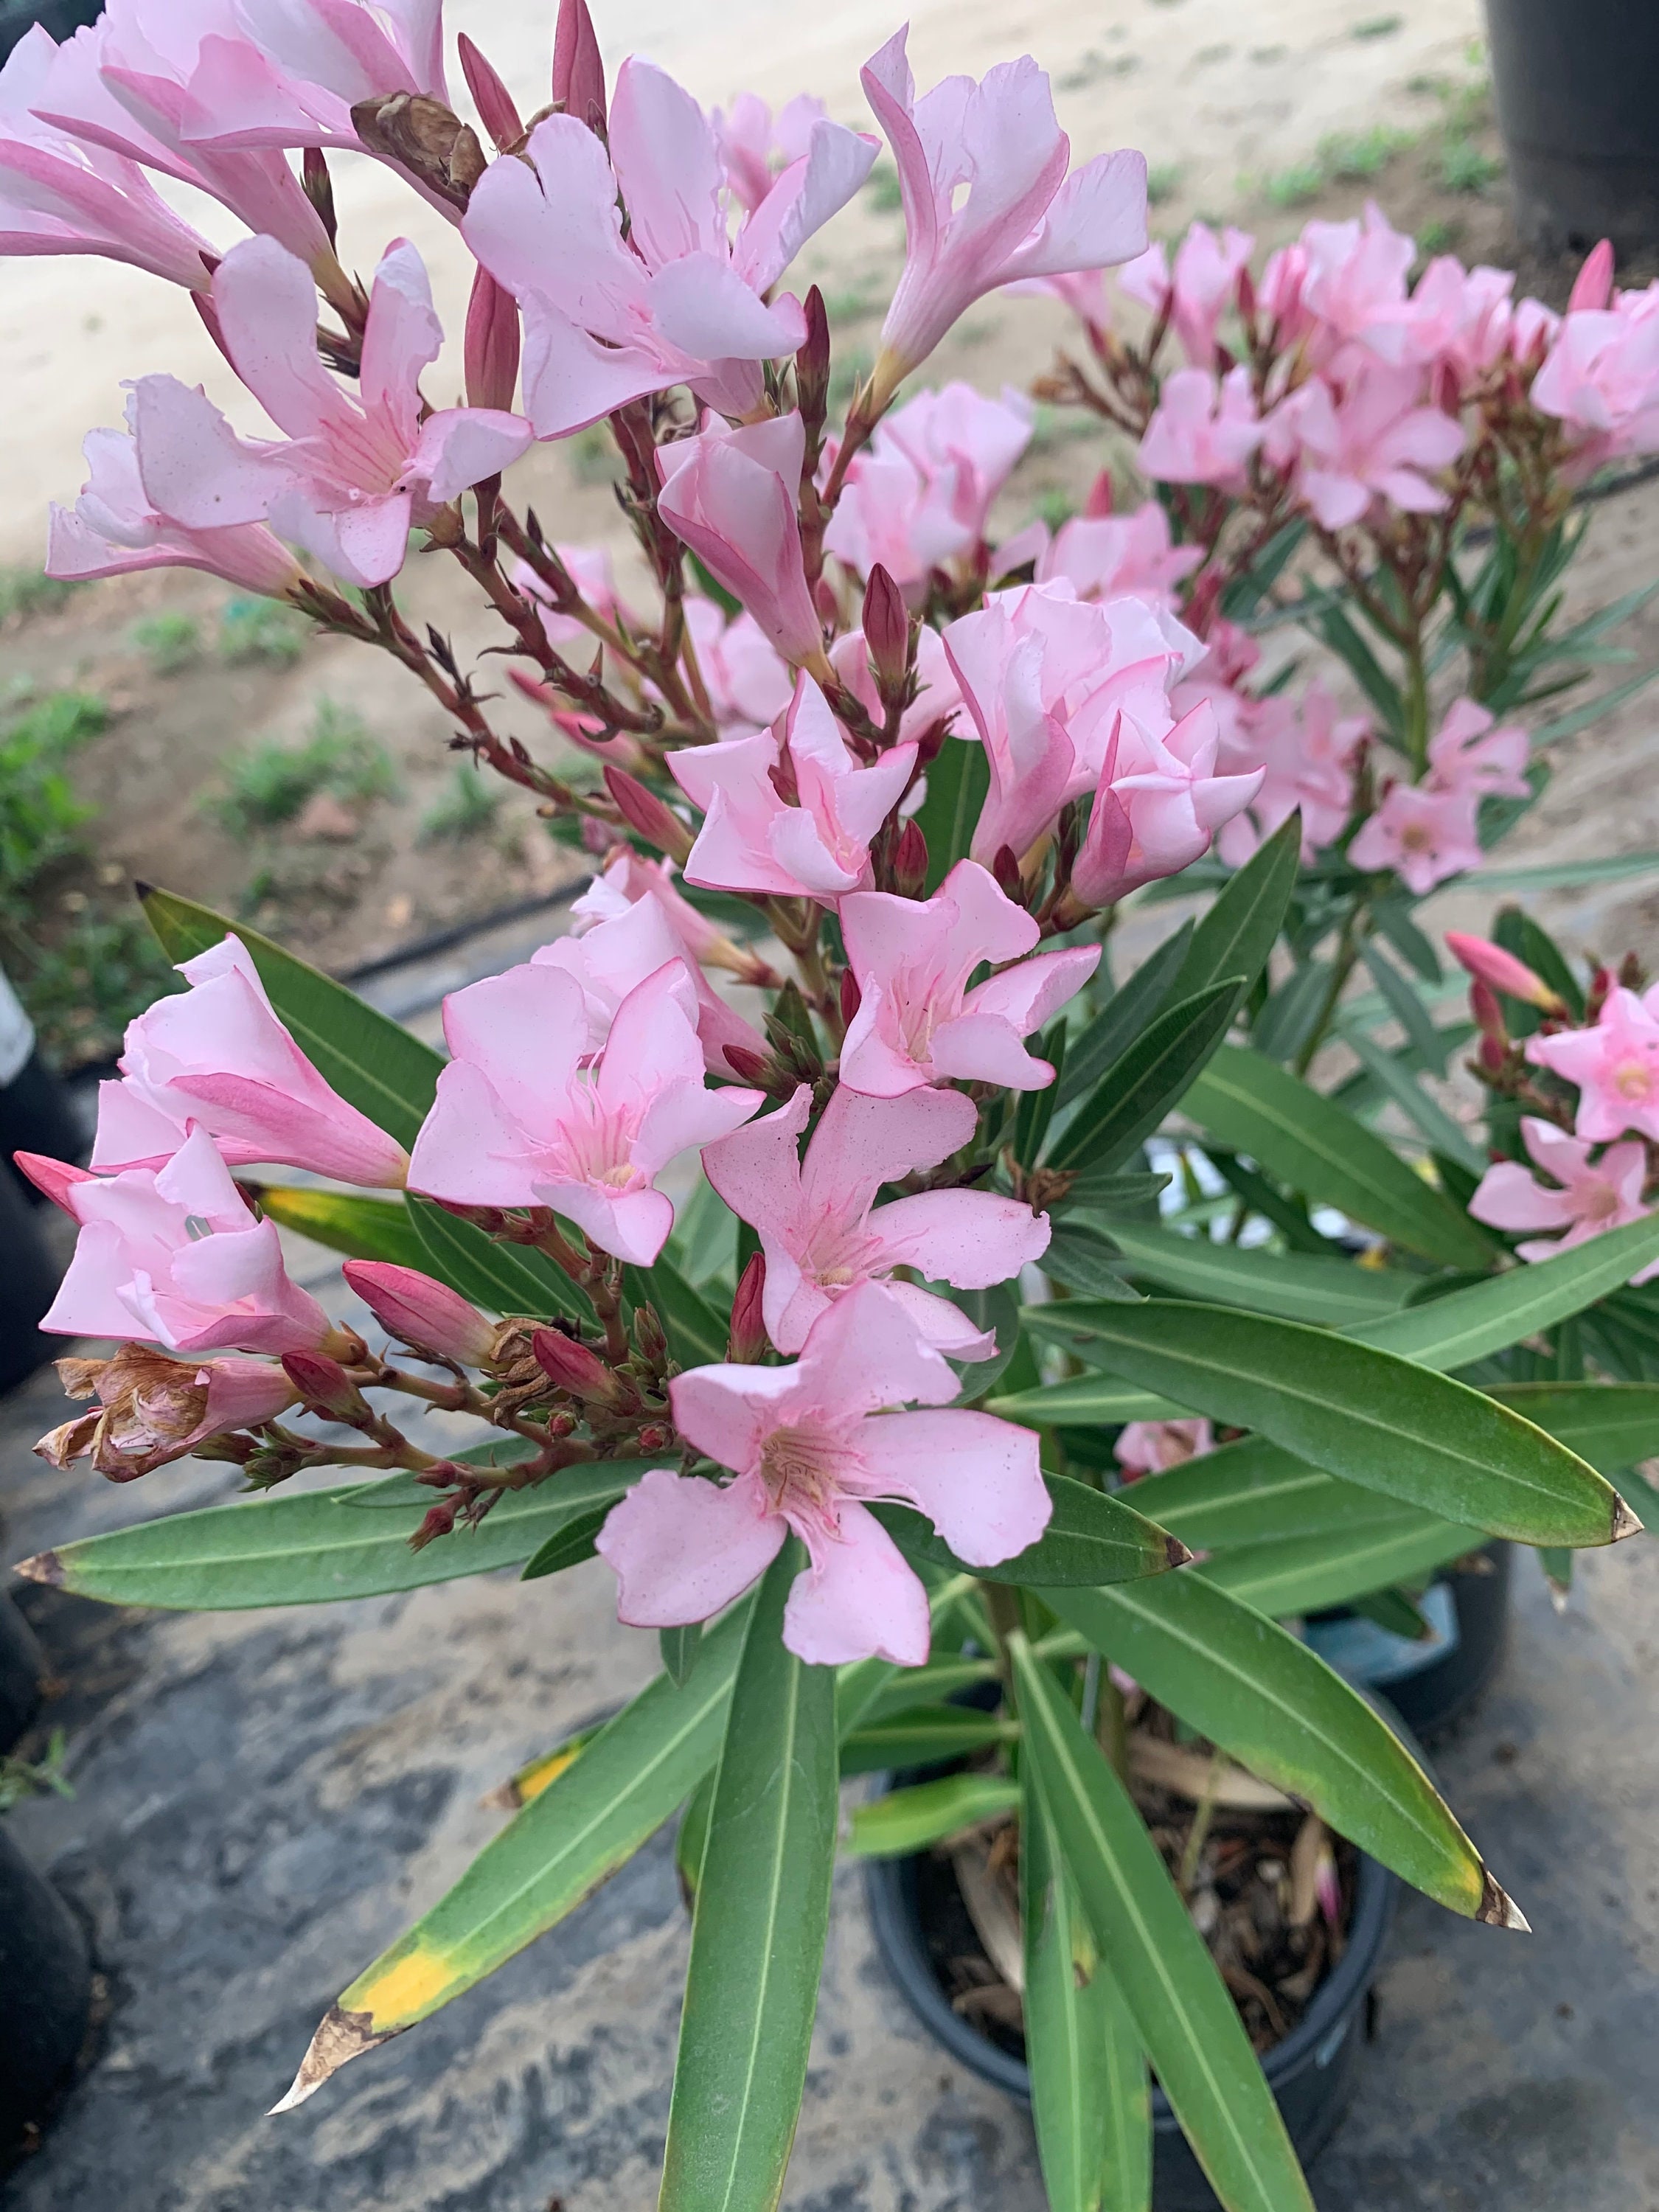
270	784
262	630
170	642
467	807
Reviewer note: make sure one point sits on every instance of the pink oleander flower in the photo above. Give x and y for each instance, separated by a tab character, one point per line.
982	169
749	685
919	496
62	195
1461	316
1468	754
1601	378
1044	677
518	1121
118	527
1159	804
918	1022
1308	753
1230	655
731	496
810	1449
1202	431
1354	283
812	844
629	878
216	1057
1615	1064
1148	1447
1423	833
1112	557
755	146
1587	1199
1082	291
615	954
937	696
679	300
425	1315
289	72
1359	435
153	1409
1202	288
359	472
820	1236
124	84
175	1256
1501	971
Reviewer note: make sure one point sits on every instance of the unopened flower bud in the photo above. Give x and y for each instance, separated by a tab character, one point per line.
886	623
1098	504
851	996
578	70
1005	866
491	351
497	110
647	815
1491	964
910	862
571	1367
1593	286
812	361
649	1338
323	1384
319	188
755	1067
654	1437
425	1315
747	1338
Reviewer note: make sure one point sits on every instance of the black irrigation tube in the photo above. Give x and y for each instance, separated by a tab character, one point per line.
456	932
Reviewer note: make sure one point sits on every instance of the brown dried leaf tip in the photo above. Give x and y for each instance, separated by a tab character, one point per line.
45	1567
1499	1910
1176	1553
341	2037
1624	1522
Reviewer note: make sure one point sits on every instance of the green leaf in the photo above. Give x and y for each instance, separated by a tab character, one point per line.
310	1550
1037	1107
1253	1492
1358	1413
679	1651
1090	2098
1261	1695
571	1837
958	782
758	1937
1568	875
1315	1147
911	1819
504	1279
1295	1285
1086	1261
1612	1424
345	1221
1091	1537
1091	1401
1286	1021
1236	935
1424	1112
906	1687
1345	641
1592	710
1125	1015
1307	1574
1405	1006
373	1064
697	1335
1121	1196
925	1736
1138	1089
567	1546
1185	2019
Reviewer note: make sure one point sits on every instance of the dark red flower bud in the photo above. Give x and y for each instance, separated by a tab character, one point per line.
756	1067
887	632
747	1338
654	1437
323	1384
647	814
497	111
574	1368
1005	868
491	347
910	862
851	996
1099	501
578	70
812	361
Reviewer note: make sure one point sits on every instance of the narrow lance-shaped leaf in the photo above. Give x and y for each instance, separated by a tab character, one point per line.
1183	2010
1139	1089
571	1837
923	1814
1091	1538
926	1736
757	1938
958	782
1295	1285
505	1279
345	1221
1238	932
1127	1011
1306	1574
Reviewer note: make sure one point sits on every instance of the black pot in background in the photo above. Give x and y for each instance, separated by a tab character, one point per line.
61	18
1309	2072
1577	83
23	1668
36	1116
28	1284
1428	1692
46	1992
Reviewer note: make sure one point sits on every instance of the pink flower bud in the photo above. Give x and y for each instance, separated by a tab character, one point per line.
1592	288
747	1338
497	110
427	1316
886	630
571	1367
492	344
910	862
644	813
578	70
323	1384
1491	964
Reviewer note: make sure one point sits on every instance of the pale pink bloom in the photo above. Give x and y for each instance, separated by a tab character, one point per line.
982	168
1602	379
1148	1447
680	301
1462	316
518	1121
629	878
425	1315
359	472
292	72
1615	1064
1363	437
1468	754
1308	753
1111	557
616	954
117	526
937	694
592	570
1201	431
123	84
1279	296
1423	835
1044	677
1586	1201
811	1448
821	1239
1499	970
1082	291
1159	804
814	846
62	195
732	496
919	496
217	1057
749	685
153	1409
755	146
176	1257
918	1022
1355	285
1202	289
1230	655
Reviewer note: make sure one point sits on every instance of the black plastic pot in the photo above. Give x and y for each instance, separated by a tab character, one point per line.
23	1670
36	1116
1428	1685
46	1992
1309	2072
61	18
1577	83
28	1283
